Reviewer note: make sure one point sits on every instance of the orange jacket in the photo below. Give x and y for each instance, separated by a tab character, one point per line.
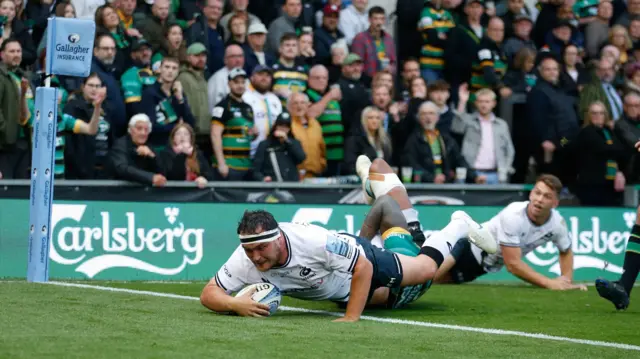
312	142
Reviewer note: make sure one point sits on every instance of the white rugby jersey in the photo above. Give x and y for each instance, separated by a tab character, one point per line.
320	265
512	227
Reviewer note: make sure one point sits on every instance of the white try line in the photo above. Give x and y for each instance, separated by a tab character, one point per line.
381	320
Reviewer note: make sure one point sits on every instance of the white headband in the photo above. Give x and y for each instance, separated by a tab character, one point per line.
267	236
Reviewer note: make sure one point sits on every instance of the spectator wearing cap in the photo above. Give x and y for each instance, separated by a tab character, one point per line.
138	76
285	24
375	46
104	53
195	90
490	66
559	37
462	45
319	15
254	53
238	7
596	33
232	130
217	86
265	104
288	77
208	31
308	131
435	23
325	107
131	159
355	96
551	124
585	11
602	89
627	129
354	19
165	104
520	37
515	9
279	154
327	34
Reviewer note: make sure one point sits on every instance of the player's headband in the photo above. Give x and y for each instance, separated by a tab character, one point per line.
267	236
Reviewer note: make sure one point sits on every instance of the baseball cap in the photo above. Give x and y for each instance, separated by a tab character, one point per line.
262	68
283	119
139	43
468	2
562	23
196	49
331	10
257	28
351	58
521	17
236	72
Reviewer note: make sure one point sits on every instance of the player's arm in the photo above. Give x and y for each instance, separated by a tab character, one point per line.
215	298
360	284
515	265
566	264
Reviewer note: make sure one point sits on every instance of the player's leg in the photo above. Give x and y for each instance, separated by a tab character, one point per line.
378	179
463	265
437	247
618	292
443	275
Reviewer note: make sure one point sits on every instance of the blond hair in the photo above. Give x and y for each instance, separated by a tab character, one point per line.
378	140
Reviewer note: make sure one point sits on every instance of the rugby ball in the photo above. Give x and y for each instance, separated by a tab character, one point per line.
266	293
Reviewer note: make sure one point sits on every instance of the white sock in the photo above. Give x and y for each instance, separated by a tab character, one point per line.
410	214
444	240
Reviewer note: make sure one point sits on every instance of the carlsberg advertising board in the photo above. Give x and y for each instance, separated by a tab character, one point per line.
190	241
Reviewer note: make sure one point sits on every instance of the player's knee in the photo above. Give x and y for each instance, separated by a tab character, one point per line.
380	166
429	268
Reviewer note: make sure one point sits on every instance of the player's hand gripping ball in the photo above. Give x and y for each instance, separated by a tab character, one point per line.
265	293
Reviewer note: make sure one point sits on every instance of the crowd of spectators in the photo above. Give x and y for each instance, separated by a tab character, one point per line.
286	90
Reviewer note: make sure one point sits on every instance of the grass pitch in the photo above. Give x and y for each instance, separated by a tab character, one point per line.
47	321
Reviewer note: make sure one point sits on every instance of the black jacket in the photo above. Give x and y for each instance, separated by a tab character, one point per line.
21	33
461	50
251	60
125	163
418	155
199	32
83	153
174	168
152	98
322	41
628	132
357	145
552	115
354	99
593	153
288	155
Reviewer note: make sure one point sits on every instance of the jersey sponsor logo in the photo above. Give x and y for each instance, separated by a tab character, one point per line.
226	271
306	273
217	112
339	246
96	246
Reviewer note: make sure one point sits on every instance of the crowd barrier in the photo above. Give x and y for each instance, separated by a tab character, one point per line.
110	231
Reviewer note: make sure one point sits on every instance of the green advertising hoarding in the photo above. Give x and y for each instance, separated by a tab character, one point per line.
190	241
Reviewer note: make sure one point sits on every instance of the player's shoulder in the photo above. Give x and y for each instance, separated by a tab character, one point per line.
516	210
557	221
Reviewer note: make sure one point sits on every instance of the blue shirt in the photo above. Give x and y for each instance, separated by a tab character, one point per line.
215	58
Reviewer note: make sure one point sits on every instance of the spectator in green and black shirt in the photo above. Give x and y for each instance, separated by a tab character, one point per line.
232	131
287	76
435	23
326	109
490	63
138	76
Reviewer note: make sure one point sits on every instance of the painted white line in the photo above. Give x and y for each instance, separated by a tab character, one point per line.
381	320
